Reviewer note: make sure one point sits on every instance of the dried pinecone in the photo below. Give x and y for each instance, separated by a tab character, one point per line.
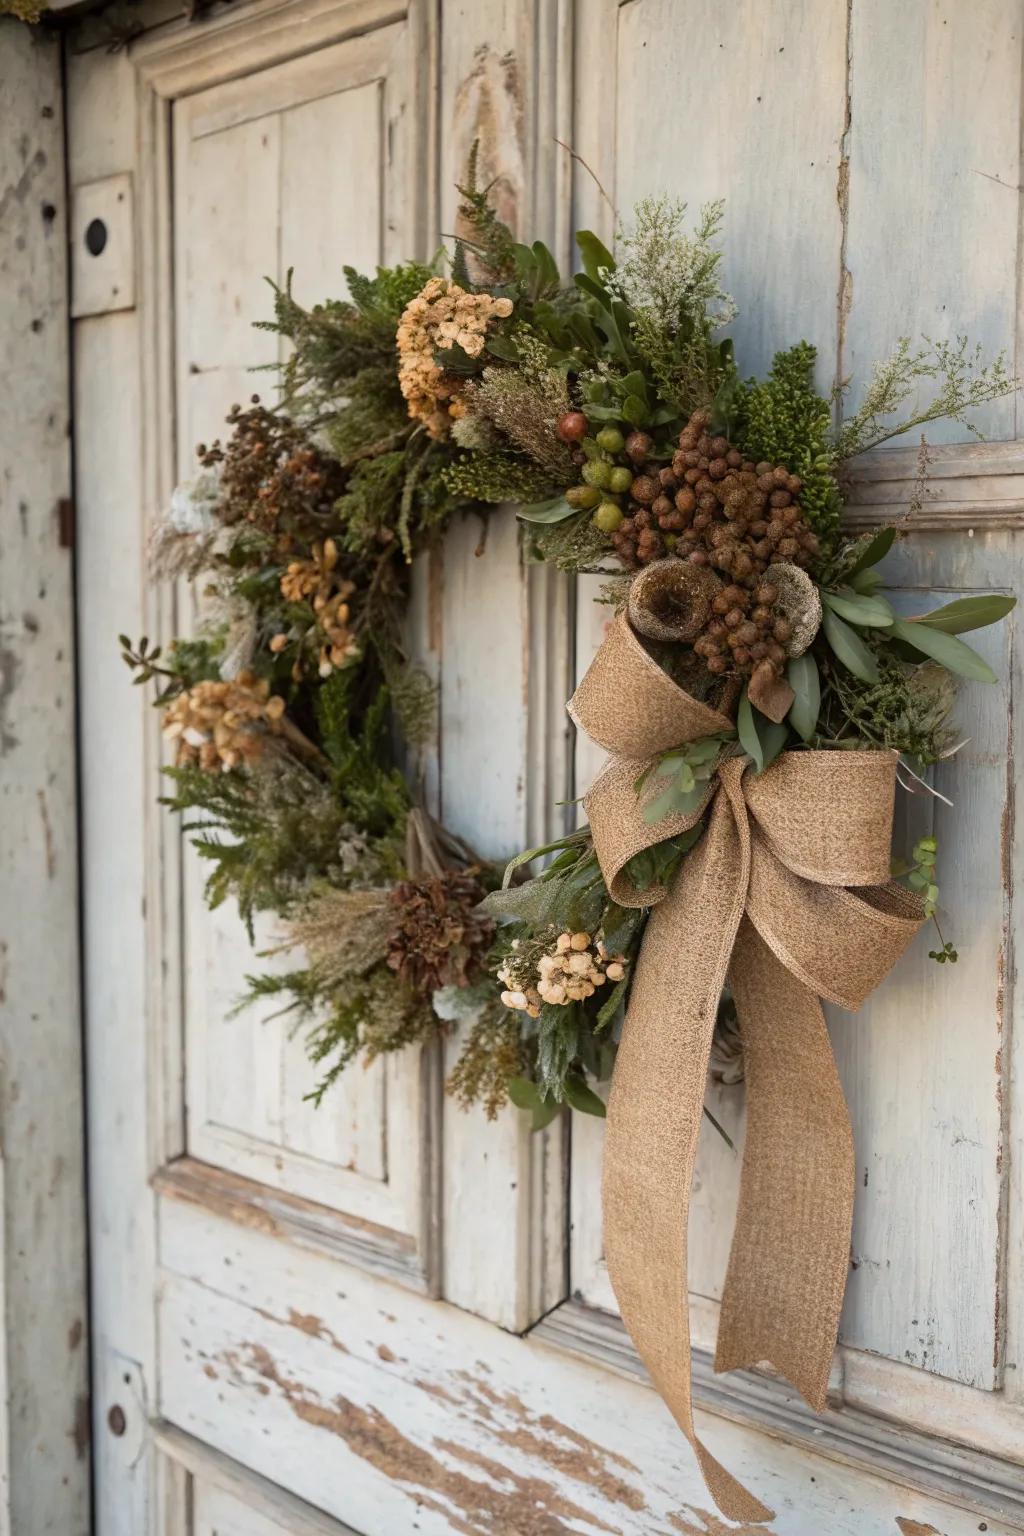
438	937
272	475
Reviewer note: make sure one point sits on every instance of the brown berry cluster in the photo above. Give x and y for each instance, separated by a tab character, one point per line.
272	476
714	507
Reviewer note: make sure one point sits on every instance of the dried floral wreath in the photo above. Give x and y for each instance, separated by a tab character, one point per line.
758	694
609	411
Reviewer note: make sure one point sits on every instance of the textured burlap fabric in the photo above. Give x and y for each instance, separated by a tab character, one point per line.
763	901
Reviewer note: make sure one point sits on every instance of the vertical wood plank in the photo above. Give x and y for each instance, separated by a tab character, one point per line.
934	173
44	1409
762	127
506	653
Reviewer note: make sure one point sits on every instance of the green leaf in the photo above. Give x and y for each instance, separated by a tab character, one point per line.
849	648
968	613
612	1003
579	1096
874	549
867	612
523	1093
750	741
867	582
554	510
635	411
503	347
593	253
544	1114
802	674
946	649
760	737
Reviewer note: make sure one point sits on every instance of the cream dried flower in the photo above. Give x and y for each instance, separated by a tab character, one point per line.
220	724
442	315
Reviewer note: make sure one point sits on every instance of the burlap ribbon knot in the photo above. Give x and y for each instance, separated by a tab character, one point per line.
762	902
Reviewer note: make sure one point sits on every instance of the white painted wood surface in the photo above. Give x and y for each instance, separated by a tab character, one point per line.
44	1471
396	1414
498	637
505	652
251	203
922	1063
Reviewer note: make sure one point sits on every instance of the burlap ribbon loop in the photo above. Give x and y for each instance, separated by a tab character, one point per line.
763	900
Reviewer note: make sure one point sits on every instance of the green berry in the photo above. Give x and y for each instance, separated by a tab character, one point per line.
620	479
611	440
584	496
598	473
608	517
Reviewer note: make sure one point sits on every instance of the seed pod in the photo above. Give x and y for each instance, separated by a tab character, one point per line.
644	489
671	600
638	446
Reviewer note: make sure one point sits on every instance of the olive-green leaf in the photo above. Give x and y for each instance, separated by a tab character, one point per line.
556	510
802	674
594	254
849	648
874	549
750	741
580	1097
947	650
523	1093
968	613
857	608
760	737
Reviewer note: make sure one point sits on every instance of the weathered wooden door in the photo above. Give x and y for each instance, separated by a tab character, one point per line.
388	1316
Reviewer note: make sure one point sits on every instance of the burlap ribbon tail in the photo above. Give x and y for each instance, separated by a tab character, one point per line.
764	901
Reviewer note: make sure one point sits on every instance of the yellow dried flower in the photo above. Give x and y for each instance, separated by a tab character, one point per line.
441	315
318	580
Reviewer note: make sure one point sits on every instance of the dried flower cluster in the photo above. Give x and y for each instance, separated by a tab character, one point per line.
568	972
443	315
272	475
318	580
438	937
222	724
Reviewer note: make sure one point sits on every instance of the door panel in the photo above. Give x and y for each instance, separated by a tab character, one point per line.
268	1309
922	1064
281	169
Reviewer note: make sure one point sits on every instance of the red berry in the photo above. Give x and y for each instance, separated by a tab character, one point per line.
572	427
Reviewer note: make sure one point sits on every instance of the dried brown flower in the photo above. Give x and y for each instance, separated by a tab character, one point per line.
442	315
438	936
222	724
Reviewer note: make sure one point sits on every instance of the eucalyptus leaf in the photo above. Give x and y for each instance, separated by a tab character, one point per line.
544	1113
635	411
968	613
874	549
805	681
858	608
523	1093
579	1096
849	648
554	510
946	649
750	741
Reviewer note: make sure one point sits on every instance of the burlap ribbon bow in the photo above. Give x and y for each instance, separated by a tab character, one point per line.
762	902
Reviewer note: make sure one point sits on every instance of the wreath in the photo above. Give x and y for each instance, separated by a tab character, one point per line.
759	696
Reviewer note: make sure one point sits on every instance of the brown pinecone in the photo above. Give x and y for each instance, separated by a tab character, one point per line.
438	937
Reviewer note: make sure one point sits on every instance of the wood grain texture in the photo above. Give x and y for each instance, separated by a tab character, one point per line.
44	1467
933	199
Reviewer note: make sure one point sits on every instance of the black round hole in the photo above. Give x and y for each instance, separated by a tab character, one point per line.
96	237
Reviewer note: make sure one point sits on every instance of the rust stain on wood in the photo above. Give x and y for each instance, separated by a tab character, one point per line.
80	1426
510	1504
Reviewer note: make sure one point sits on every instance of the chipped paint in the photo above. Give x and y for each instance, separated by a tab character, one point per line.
711	1525
489	113
10	668
916	1527
510	1504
